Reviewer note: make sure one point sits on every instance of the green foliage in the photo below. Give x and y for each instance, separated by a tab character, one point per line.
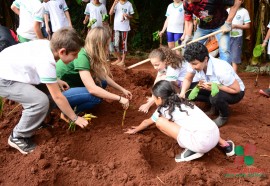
214	89
93	21
257	51
1	106
194	93
156	35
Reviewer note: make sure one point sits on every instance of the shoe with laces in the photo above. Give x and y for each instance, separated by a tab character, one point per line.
229	150
265	92
24	145
187	155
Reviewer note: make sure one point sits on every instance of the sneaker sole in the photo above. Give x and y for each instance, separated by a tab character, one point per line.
232	152
16	147
193	157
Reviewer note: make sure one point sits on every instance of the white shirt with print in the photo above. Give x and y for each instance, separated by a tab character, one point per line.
120	23
241	17
95	12
175	18
218	71
56	9
30	11
30	62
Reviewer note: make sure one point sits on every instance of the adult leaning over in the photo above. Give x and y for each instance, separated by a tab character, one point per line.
89	74
213	16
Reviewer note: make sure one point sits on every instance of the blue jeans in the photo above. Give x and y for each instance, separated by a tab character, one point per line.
223	42
80	98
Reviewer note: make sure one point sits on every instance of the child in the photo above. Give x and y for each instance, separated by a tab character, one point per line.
59	15
266	92
123	13
33	64
30	14
94	10
170	66
174	23
241	21
183	121
213	70
89	74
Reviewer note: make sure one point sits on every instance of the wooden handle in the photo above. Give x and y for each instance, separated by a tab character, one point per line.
175	48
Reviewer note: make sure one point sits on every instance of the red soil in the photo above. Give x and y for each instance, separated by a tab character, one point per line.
104	155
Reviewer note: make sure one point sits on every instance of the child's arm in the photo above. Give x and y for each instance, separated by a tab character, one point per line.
46	20
86	19
113	84
113	6
37	30
164	27
145	107
142	126
15	9
243	27
64	106
266	39
68	17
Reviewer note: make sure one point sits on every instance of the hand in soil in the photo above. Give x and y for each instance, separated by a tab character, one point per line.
132	130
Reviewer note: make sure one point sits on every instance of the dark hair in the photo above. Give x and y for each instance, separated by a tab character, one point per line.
66	38
164	89
168	56
195	51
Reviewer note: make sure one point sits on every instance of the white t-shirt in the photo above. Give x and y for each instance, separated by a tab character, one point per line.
218	71
175	18
195	120
120	23
241	17
179	73
268	46
30	11
56	9
95	12
30	62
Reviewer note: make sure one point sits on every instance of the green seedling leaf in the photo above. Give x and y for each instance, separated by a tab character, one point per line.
214	89
257	51
156	36
194	93
93	21
105	17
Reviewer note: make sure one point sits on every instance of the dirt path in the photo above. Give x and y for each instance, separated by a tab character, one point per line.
103	155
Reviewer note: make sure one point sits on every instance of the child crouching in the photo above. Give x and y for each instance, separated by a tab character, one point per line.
178	118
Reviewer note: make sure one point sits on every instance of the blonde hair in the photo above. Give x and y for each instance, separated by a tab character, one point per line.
96	46
66	38
168	56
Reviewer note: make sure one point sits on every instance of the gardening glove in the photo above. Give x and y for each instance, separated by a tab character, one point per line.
186	40
227	27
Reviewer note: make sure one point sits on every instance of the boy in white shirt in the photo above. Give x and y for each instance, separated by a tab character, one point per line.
266	92
59	15
34	64
212	70
30	14
123	13
240	22
94	10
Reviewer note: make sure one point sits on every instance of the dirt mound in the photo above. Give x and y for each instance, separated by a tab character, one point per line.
104	155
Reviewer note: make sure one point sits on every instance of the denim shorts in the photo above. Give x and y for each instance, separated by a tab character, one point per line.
236	49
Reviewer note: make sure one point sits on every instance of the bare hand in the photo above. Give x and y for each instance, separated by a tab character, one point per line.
205	85
132	130
124	102
127	94
63	85
81	122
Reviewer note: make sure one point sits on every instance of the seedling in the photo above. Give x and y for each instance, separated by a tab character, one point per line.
257	51
156	36
93	21
195	91
124	116
88	117
105	17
